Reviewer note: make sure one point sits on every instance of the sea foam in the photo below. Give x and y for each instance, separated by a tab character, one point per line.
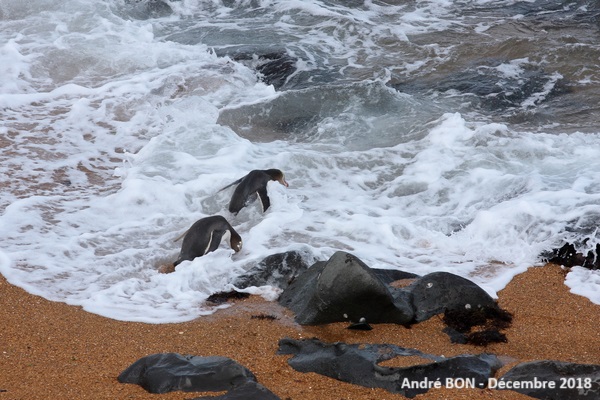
119	132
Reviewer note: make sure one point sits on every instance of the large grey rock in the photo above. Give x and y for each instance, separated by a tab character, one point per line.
358	364
167	372
570	381
276	270
343	289
437	292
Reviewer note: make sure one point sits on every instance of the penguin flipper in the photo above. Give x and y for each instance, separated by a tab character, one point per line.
230	185
181	236
264	198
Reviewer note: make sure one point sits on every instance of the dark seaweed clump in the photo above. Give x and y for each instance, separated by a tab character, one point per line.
569	257
264	317
224	297
487	321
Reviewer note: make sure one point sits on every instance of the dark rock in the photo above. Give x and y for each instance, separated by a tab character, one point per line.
343	289
224	297
455	336
276	270
358	364
437	292
167	372
361	325
247	391
296	295
570	381
275	68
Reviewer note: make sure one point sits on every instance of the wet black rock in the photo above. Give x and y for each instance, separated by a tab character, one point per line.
568	380
277	270
361	325
276	68
167	372
358	364
343	289
438	292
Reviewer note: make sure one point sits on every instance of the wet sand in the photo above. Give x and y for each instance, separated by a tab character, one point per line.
51	350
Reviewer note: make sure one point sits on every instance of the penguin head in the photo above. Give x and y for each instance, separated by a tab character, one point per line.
278	176
235	242
283	181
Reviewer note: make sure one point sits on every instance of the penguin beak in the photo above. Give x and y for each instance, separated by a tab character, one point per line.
284	182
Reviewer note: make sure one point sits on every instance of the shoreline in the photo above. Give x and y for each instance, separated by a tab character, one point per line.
54	350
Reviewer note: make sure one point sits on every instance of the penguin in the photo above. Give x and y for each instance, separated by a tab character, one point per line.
204	236
251	185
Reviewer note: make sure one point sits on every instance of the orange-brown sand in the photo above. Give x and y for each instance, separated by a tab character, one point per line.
52	350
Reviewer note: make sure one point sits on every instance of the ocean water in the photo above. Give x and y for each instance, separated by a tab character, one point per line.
457	136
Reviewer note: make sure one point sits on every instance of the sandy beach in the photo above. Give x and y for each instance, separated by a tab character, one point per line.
52	350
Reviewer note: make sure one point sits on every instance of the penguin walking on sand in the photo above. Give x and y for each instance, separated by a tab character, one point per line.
252	185
204	236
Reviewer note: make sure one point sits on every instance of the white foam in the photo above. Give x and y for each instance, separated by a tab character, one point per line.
584	282
113	149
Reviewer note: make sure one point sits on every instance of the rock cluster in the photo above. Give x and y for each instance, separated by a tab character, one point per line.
345	289
358	364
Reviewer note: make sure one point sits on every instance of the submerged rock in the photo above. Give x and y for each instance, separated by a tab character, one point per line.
277	270
147	9
489	87
343	289
554	380
168	372
358	364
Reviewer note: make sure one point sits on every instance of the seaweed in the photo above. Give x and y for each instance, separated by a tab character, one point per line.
489	321
224	297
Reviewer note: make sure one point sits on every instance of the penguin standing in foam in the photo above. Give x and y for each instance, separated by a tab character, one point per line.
252	185
204	236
